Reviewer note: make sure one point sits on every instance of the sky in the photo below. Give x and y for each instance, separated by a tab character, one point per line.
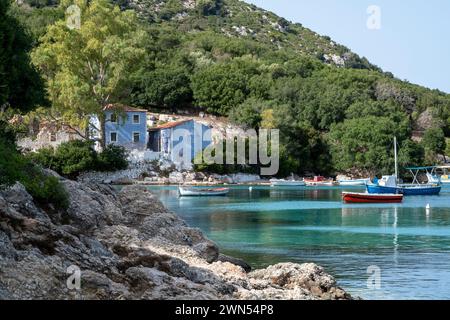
413	41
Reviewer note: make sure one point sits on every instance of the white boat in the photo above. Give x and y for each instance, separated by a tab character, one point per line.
202	192
319	181
287	183
354	182
390	184
439	175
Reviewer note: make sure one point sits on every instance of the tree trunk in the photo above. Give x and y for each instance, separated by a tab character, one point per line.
102	121
87	132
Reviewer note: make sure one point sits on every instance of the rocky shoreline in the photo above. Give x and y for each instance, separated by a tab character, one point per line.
127	245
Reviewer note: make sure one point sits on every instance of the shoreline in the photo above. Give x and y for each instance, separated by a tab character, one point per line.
127	245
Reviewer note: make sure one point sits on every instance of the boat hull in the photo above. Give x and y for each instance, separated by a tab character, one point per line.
405	190
359	182
192	192
319	183
350	197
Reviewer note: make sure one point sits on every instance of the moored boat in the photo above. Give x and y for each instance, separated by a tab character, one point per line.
389	184
439	175
286	183
407	190
353	182
355	197
319	181
202	192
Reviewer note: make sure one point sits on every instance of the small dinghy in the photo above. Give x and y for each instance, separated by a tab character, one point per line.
354	197
286	183
202	192
319	181
354	182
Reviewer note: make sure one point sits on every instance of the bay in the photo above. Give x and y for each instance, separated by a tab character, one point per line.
408	243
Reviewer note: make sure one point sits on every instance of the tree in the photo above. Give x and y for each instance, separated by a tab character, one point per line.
221	87
248	113
167	86
20	85
366	143
90	66
434	140
434	143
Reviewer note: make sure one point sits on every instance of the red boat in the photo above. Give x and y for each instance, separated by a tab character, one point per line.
352	197
319	181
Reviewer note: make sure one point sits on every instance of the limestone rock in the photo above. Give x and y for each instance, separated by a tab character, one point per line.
127	245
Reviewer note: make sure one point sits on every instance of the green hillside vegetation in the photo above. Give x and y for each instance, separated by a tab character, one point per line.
233	59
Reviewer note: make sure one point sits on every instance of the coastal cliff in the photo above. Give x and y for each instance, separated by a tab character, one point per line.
127	245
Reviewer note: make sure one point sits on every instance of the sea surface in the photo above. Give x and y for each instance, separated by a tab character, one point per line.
381	251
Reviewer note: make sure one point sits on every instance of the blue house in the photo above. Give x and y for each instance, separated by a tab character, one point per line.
179	141
126	126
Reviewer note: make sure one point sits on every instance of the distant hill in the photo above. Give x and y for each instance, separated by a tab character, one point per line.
236	18
336	111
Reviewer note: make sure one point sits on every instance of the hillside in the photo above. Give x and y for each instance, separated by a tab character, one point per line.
336	111
239	19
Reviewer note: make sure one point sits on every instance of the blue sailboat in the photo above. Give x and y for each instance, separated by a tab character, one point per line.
389	184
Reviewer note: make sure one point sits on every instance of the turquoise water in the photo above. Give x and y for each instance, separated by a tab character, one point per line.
410	244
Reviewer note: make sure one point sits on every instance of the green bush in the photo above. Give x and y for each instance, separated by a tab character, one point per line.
14	167
434	140
201	166
45	157
112	158
11	164
74	157
45	189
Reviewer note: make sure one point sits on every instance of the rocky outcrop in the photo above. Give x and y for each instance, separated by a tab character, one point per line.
125	245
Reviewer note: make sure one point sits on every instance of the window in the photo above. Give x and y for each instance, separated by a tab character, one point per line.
136	137
113	118
52	136
113	136
136	119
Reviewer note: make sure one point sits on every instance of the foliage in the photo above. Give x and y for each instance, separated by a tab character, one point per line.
447	149
200	165
77	156
232	59
434	140
248	113
20	85
88	67
112	158
411	153
14	168
167	86
366	143
45	189
222	87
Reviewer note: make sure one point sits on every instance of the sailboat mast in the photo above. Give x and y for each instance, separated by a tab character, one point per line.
396	160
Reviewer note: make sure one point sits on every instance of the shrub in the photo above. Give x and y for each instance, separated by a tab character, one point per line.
45	189
11	164
112	158
14	167
45	157
74	157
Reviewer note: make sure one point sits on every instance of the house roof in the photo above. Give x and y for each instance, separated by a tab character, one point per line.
169	125
122	107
